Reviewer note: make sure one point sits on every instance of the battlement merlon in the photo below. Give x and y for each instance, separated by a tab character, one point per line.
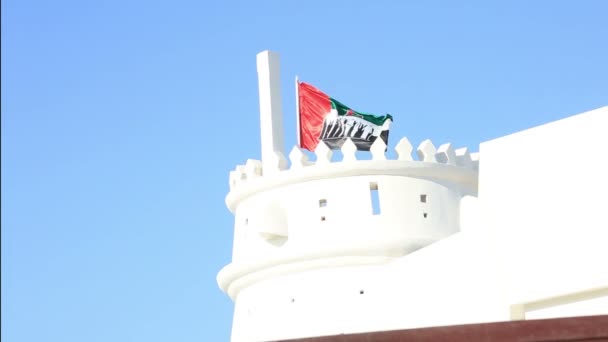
441	164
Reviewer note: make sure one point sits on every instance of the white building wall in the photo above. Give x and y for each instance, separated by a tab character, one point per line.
543	196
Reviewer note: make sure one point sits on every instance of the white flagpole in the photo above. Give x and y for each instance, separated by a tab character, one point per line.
298	133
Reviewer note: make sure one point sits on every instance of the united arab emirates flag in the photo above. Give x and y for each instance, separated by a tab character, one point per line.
323	118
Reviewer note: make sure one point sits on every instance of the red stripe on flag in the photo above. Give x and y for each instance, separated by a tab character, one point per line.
314	106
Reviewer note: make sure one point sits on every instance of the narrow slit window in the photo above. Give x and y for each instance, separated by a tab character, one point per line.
322	218
423	198
246	221
322	203
373	189
425	215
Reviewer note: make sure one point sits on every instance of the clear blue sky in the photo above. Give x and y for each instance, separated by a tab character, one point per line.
122	119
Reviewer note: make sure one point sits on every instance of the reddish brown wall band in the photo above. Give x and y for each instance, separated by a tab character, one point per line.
589	328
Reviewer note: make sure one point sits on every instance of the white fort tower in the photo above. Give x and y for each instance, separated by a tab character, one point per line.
336	247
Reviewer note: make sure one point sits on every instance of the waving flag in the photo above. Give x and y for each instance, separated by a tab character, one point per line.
322	118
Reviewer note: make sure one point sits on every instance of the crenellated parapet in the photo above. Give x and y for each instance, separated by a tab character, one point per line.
451	162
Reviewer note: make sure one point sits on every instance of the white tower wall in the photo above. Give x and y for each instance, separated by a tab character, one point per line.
313	231
336	215
317	244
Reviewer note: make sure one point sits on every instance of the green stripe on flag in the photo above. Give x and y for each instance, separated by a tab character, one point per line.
344	110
